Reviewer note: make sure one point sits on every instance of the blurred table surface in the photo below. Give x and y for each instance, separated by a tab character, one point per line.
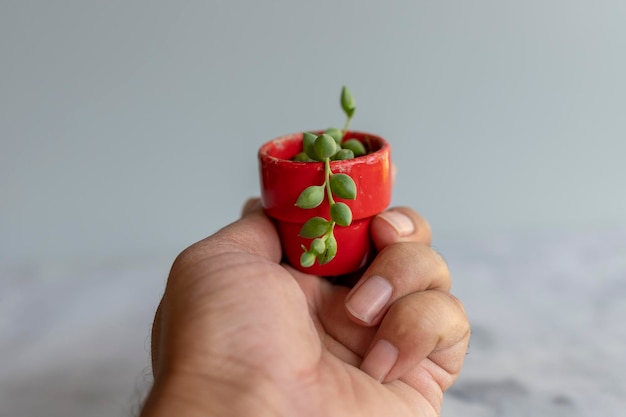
548	315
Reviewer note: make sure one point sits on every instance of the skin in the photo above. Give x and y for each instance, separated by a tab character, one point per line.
238	333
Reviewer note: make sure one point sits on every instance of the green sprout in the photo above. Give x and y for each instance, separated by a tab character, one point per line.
326	147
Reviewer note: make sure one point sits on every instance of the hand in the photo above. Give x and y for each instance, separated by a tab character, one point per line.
239	334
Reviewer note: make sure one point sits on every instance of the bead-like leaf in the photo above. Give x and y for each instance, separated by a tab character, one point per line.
355	146
330	252
308	139
325	146
311	197
343	186
343	154
302	157
318	246
341	214
314	227
347	102
307	259
335	134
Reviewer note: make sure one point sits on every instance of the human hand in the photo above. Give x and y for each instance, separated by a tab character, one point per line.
237	333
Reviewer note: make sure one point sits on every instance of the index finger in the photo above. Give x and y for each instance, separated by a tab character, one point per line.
254	233
399	224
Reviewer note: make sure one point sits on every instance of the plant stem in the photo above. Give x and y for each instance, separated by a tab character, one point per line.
331	228
345	128
327	173
331	200
329	232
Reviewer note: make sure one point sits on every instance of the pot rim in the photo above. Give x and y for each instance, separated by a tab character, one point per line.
266	149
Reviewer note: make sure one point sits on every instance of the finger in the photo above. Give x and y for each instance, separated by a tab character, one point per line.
399	224
254	234
398	270
430	324
350	316
251	205
155	340
343	338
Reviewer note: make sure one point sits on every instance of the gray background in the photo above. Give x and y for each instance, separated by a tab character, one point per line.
130	128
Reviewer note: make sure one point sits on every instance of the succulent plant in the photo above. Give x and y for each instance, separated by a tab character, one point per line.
326	147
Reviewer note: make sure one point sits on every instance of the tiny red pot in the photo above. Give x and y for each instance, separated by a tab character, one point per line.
282	181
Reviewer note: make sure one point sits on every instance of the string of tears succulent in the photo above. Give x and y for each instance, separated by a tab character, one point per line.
326	147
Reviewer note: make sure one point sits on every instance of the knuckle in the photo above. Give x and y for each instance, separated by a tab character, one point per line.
186	259
437	267
424	228
413	266
459	320
457	302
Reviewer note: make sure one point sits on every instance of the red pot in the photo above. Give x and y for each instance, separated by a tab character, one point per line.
282	181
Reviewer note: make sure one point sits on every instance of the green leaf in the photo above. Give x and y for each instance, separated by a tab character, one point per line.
330	252
355	145
314	227
347	102
302	157
308	139
318	246
343	154
341	214
311	197
325	146
343	186
335	134
307	259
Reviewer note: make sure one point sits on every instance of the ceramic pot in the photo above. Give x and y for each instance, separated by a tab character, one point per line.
282	181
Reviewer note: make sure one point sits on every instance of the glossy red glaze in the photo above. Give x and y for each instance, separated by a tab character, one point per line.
282	181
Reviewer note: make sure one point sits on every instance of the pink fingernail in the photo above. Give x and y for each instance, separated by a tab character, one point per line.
380	360
399	221
369	299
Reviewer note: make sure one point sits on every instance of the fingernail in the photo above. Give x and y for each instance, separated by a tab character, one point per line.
380	360
370	298
399	221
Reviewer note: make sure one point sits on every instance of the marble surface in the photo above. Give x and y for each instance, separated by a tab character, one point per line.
547	314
